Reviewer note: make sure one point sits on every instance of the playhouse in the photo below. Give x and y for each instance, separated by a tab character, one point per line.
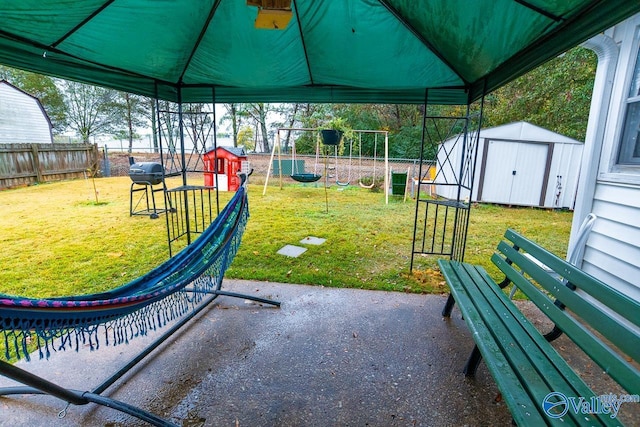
231	160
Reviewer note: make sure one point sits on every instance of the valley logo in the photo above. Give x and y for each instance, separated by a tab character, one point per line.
557	405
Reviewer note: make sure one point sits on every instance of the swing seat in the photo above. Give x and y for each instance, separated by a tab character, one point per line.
305	177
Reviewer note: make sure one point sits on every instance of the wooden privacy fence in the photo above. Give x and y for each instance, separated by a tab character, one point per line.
25	164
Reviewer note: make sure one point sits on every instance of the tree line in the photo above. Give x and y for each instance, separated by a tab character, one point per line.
555	95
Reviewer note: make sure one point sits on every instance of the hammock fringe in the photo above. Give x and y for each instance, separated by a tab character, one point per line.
146	304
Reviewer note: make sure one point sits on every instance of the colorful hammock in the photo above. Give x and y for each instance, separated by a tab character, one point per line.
131	310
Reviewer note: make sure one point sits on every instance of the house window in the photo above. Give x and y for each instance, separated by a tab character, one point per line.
629	153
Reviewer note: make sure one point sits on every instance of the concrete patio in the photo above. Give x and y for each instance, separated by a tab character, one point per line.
327	357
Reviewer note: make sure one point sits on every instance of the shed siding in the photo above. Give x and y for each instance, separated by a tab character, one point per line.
546	166
612	253
564	175
22	120
514	172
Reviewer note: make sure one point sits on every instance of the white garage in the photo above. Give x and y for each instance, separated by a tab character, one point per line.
517	164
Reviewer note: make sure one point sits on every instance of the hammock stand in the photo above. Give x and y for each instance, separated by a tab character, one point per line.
177	290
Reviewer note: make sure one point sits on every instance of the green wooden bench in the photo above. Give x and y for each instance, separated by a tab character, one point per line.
538	385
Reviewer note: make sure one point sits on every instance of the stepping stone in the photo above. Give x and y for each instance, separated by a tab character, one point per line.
292	251
312	240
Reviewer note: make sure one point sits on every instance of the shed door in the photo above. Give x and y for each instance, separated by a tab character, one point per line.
514	173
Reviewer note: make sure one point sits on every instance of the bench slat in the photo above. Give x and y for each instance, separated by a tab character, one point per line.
620	334
516	397
537	364
607	358
624	305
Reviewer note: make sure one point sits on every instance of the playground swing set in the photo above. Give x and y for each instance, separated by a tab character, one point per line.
360	166
327	138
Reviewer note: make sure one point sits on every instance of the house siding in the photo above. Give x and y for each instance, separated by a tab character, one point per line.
612	253
22	119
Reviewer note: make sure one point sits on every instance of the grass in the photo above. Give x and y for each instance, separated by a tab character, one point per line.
368	243
55	239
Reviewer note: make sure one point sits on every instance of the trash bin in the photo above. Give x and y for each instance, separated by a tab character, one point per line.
398	183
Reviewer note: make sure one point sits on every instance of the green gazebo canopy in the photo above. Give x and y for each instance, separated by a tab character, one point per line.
377	51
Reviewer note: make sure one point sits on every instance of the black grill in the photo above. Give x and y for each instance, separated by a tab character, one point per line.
146	173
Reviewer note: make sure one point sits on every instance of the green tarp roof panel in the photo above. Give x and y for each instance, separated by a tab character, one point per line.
378	51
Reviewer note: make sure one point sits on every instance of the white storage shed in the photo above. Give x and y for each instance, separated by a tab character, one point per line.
518	164
22	117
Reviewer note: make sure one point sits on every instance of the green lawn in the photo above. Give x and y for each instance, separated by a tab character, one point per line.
55	239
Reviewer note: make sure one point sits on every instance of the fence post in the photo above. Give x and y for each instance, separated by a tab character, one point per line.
93	160
36	162
106	164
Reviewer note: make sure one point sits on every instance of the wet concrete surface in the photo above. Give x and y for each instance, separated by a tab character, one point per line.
327	357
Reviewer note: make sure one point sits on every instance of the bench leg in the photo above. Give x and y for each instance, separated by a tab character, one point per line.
553	334
448	306
473	362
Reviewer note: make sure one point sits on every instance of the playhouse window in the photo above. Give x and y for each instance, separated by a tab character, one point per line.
629	153
220	168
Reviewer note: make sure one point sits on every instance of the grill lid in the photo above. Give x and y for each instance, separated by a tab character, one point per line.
146	173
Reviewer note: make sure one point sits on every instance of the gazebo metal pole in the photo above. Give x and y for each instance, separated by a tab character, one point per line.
473	171
415	219
167	197
455	252
215	153
326	180
279	157
386	167
184	166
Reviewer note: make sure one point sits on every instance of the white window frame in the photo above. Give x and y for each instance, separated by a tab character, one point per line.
630	143
610	170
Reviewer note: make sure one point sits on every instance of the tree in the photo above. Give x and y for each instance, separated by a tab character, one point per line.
246	138
258	112
290	114
91	109
233	114
311	116
556	95
404	123
129	113
45	89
